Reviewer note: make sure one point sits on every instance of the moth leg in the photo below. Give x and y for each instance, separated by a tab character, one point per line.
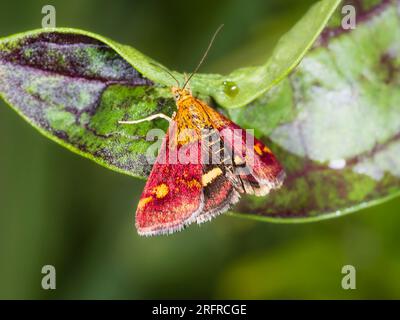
149	118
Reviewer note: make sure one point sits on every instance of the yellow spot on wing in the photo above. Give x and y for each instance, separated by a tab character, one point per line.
194	184
161	190
238	160
267	150
144	201
258	149
209	176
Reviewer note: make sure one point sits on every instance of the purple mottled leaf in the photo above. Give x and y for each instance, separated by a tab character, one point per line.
74	89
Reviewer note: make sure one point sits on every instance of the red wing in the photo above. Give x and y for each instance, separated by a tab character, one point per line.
173	196
176	194
220	192
265	172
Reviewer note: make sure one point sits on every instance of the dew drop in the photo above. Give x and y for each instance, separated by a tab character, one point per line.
231	89
337	164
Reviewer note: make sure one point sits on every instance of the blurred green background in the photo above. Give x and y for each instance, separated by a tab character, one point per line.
60	209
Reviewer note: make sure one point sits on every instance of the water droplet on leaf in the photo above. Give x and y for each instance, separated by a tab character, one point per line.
231	89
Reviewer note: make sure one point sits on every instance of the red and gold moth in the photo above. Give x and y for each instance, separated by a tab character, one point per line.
205	162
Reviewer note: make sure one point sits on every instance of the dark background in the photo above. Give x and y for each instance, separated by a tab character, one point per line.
60	209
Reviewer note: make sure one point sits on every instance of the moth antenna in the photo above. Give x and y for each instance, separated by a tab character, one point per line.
204	56
168	72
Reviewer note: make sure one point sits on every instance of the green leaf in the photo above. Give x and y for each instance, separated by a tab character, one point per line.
252	82
73	88
334	123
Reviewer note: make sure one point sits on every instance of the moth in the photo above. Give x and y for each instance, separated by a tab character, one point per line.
205	163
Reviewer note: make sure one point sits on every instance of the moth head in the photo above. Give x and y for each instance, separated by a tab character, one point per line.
179	93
